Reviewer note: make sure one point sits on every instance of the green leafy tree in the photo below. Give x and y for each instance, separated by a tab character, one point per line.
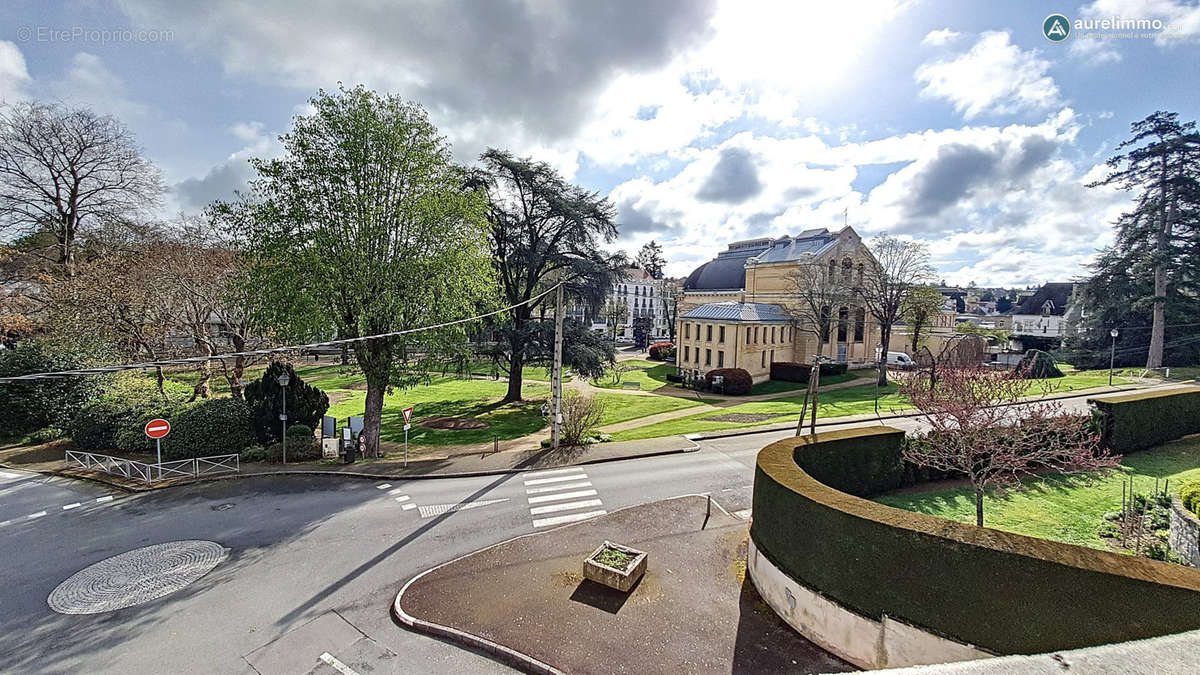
364	226
34	404
305	403
1153	266
543	230
918	310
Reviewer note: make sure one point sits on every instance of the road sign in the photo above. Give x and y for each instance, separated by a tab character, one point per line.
157	428
407	414
407	427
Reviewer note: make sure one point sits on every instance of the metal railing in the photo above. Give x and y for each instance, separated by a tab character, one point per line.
149	473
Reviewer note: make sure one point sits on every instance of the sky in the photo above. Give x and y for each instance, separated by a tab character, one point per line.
703	121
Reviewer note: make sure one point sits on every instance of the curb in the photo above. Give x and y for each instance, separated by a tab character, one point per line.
506	655
347	474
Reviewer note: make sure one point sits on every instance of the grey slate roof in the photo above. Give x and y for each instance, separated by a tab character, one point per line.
727	272
1059	294
738	311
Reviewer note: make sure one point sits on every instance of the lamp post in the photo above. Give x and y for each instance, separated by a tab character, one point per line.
1112	355
283	382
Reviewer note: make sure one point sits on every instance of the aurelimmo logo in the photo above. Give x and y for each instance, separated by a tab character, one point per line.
1056	27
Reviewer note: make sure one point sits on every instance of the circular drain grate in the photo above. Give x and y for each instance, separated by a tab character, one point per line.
134	577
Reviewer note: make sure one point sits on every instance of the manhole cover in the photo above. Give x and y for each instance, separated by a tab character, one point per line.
134	577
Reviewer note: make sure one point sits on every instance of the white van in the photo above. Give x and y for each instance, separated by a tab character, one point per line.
900	360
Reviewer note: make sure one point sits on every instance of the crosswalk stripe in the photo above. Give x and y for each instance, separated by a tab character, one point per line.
101	500
402	498
39	514
570	506
395	491
553	479
383	487
556	488
552	472
568	518
68	507
408	507
561	496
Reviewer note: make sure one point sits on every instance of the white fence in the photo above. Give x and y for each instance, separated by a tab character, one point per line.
149	473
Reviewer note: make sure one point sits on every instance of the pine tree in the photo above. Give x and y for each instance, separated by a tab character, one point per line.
650	259
1152	270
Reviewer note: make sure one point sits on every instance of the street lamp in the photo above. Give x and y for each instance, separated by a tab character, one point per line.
1112	355
283	382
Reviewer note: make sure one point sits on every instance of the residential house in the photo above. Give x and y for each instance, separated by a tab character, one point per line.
644	296
1041	318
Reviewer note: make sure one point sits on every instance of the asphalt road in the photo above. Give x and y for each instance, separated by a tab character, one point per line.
312	564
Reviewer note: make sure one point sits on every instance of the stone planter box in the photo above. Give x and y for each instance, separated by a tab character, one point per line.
621	580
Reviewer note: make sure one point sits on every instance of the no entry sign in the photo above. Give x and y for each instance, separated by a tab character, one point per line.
157	428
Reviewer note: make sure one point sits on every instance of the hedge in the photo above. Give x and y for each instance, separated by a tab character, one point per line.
34	404
1140	420
737	380
1003	592
218	426
790	371
830	368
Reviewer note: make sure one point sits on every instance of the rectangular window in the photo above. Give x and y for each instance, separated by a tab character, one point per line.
764	359
720	359
772	334
747	334
685	353
721	334
756	335
708	357
697	356
687	330
708	332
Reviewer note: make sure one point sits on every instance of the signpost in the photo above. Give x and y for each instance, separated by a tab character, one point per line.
407	425
156	429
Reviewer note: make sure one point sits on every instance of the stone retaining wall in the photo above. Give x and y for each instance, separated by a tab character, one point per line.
1185	533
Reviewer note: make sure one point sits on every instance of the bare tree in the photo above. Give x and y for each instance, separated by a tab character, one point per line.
918	309
615	312
979	432
901	265
817	291
65	170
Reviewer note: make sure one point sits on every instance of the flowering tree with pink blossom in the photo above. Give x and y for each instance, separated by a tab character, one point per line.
981	428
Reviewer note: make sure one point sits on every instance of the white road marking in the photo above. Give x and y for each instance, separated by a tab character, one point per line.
68	507
561	496
5	474
101	500
2	524
39	514
395	491
408	507
556	488
570	506
552	472
337	665
439	509
383	487
556	479
569	518
403	498
744	514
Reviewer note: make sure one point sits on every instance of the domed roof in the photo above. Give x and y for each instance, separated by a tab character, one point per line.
727	272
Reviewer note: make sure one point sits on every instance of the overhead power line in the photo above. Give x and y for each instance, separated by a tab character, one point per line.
102	370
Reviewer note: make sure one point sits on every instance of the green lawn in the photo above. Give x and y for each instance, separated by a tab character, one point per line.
453	397
1062	508
777	386
647	375
623	407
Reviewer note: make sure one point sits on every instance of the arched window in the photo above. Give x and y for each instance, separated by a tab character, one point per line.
860	274
860	320
832	268
843	319
847	266
826	319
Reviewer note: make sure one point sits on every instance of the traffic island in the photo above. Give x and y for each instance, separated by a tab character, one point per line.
527	602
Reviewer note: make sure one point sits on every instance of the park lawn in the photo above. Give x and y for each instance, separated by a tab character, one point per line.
539	373
1063	508
453	397
777	386
648	376
624	407
836	403
1074	381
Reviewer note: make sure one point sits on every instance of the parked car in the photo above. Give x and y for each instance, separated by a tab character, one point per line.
900	360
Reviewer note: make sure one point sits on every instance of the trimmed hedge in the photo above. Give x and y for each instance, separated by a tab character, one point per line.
1189	494
658	350
218	426
790	371
737	380
833	369
1136	421
116	419
1005	593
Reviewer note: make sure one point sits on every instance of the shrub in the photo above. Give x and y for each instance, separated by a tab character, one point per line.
30	405
305	403
298	450
299	432
47	434
254	453
581	415
833	369
737	380
790	371
1038	365
658	350
1189	494
115	420
213	427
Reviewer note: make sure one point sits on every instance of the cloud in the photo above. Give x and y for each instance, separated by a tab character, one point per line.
733	180
88	81
994	77
231	175
937	38
14	77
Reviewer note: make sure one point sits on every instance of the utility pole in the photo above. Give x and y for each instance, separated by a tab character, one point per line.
556	375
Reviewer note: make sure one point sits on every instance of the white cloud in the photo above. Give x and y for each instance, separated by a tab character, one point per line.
937	38
994	77
14	77
1182	18
89	82
231	175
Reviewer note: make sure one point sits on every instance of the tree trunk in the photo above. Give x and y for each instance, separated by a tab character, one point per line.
979	506
1157	328
235	382
815	378
161	381
515	375
885	342
373	414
